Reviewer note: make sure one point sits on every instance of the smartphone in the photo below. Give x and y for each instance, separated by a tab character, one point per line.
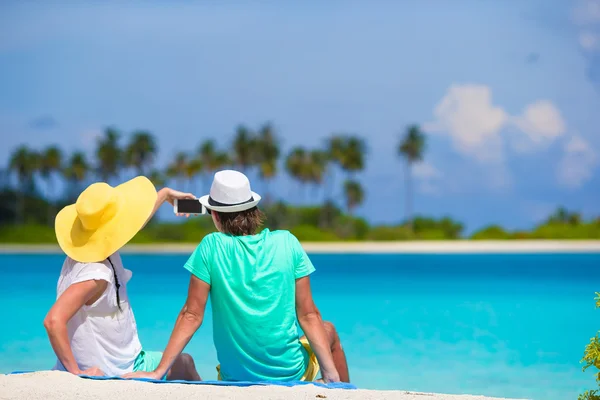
189	206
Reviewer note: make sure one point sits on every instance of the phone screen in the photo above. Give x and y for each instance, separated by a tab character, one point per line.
189	206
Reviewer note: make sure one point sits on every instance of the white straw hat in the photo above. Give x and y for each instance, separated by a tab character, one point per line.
230	192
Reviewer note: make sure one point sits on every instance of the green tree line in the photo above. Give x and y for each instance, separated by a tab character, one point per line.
333	169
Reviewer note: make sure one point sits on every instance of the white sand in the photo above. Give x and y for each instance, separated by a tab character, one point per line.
54	385
459	246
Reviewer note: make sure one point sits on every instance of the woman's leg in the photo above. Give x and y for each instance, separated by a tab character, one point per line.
184	369
339	357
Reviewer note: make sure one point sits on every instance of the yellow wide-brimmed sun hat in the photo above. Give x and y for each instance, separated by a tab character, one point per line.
104	219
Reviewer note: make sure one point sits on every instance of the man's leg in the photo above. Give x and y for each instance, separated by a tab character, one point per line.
183	368
339	357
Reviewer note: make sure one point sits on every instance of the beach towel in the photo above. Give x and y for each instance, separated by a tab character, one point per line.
337	385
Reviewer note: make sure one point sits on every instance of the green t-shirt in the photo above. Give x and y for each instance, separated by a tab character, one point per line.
252	289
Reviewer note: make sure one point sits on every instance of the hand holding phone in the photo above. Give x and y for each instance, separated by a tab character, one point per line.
189	206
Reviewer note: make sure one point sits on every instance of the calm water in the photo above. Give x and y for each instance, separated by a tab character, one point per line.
500	325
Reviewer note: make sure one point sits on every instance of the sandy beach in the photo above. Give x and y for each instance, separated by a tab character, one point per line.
412	247
55	385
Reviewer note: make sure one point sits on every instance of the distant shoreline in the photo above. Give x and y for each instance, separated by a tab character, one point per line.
408	247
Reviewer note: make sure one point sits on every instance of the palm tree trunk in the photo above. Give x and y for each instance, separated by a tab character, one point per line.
409	197
20	205
50	206
329	182
306	188
207	183
198	187
327	186
267	192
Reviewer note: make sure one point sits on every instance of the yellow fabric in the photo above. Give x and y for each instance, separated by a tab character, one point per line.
104	219
312	370
313	365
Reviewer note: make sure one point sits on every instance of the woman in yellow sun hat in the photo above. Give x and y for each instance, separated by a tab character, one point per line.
91	326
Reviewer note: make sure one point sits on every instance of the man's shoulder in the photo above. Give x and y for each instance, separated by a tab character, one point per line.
282	234
286	238
214	237
211	236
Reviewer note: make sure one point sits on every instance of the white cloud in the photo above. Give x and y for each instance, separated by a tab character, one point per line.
587	12
541	122
425	170
589	41
474	124
586	16
467	115
429	188
429	178
577	164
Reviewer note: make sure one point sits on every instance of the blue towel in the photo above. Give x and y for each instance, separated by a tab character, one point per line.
338	385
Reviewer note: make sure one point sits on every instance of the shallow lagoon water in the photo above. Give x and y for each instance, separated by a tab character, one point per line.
510	325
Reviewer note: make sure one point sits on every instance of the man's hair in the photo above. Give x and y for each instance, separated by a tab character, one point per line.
241	223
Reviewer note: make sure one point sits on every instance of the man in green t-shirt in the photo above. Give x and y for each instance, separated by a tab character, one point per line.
259	286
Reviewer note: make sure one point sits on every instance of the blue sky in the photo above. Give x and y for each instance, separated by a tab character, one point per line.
507	91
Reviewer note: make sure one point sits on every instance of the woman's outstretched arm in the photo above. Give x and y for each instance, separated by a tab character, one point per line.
168	195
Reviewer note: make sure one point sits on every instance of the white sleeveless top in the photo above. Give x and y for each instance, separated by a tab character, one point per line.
101	335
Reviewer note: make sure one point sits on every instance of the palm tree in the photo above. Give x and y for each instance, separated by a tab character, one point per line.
575	218
178	169
411	148
157	178
353	155
267	156
346	152
243	148
295	165
354	193
109	155
222	161
51	162
307	167
141	151
316	166
76	172
207	152
193	168
4	176
560	216
24	163
334	146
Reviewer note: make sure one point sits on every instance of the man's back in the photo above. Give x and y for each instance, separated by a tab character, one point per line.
252	292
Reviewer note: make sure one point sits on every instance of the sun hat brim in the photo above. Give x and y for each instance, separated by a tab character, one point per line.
204	200
135	199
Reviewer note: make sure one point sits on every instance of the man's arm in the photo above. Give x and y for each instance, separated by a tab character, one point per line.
189	320
311	323
62	311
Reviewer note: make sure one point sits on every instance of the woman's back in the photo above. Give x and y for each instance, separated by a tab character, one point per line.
252	293
100	334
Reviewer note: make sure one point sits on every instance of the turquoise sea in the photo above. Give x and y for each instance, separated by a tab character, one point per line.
494	324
